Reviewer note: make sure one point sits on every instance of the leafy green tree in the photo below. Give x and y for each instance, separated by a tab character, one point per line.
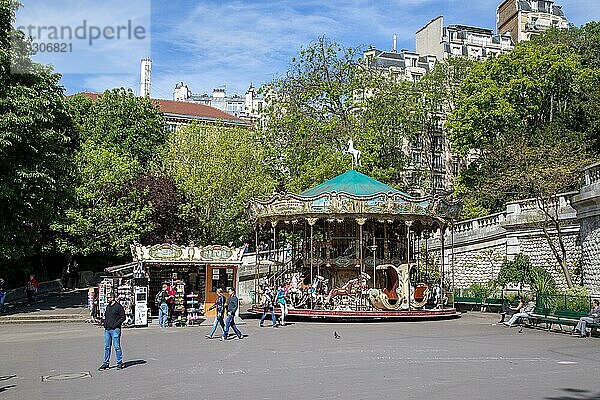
218	169
37	140
526	119
121	138
328	97
109	214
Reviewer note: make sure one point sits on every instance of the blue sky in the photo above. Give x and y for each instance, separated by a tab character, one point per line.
223	43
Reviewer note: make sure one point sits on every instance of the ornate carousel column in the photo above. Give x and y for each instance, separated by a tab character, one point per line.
386	249
360	222
273	226
311	223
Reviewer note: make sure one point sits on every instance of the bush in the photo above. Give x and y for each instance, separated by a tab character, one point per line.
480	290
541	281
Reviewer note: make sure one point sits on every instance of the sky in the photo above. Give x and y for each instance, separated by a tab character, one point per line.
231	44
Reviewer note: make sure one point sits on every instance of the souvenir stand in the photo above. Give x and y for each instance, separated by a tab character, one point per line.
196	273
179	307
125	298
354	248
194	313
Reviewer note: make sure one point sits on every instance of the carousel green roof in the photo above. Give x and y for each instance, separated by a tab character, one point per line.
354	183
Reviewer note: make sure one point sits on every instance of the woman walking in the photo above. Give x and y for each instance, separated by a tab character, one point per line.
282	305
220	306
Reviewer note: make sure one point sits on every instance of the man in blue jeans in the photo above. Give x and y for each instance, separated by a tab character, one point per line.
162	300
232	306
113	319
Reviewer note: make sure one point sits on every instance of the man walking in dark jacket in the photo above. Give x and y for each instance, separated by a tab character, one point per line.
113	319
232	306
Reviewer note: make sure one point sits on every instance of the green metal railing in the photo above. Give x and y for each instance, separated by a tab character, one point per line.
564	302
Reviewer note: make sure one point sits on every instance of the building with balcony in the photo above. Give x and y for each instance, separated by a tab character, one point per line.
405	65
460	40
523	19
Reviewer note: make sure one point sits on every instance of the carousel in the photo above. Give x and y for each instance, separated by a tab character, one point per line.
354	250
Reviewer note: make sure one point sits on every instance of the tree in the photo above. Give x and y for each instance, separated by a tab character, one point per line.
519	271
218	169
524	118
37	140
121	137
328	97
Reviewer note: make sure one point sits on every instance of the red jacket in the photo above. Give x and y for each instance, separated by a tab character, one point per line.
34	282
171	293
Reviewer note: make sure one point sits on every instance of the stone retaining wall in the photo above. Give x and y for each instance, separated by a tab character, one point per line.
482	244
18	294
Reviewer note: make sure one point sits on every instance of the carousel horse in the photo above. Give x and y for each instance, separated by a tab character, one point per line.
294	292
438	296
351	288
318	290
300	291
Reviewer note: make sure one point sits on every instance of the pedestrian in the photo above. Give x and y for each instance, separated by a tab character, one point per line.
592	318
3	291
220	314
171	302
268	307
282	304
31	289
523	313
74	275
114	316
232	306
163	307
507	309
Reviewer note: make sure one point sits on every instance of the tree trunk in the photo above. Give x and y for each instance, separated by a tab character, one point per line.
561	257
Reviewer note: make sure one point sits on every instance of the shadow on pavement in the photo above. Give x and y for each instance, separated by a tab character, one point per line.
131	363
71	299
575	394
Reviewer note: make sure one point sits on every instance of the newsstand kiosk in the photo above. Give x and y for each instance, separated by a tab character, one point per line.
195	272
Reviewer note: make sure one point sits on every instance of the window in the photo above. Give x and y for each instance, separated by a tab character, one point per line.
221	278
437	162
438	182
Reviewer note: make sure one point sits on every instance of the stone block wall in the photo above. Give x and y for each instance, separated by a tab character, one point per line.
540	254
476	266
590	255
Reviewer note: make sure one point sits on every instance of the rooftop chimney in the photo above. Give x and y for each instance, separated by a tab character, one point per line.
394	50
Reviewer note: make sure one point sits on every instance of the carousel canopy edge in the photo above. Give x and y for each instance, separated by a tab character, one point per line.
352	194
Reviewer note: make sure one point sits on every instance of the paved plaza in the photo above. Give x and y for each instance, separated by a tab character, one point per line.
466	358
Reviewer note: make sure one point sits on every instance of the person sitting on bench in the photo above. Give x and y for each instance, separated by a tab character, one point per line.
592	318
523	314
508	310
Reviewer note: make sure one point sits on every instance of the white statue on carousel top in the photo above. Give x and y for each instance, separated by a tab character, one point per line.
354	152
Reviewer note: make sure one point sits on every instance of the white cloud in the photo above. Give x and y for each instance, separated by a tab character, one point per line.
85	18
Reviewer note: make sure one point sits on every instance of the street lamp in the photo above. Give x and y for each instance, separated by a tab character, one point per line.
373	248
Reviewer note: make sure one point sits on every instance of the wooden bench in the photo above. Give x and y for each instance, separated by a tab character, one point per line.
472	301
492	302
568	318
541	315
